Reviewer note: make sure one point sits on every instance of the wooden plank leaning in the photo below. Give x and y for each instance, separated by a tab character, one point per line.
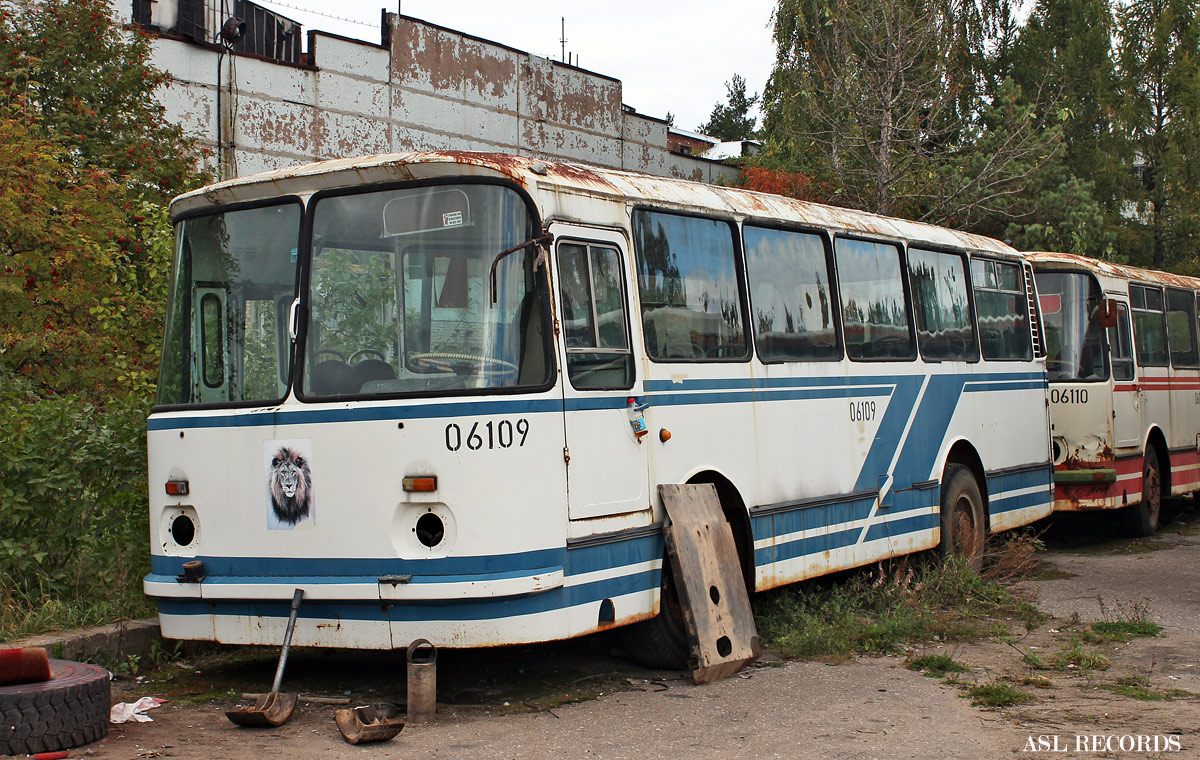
712	592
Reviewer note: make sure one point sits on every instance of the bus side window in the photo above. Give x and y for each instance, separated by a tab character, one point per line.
1149	329
1181	329
874	311
595	329
1119	345
689	286
790	297
939	287
1002	307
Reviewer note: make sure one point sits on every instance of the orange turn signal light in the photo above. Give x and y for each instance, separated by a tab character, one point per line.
177	488
422	483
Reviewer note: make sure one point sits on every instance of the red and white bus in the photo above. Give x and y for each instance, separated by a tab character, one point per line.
1124	373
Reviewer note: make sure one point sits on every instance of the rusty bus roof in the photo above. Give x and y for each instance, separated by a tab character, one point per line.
536	174
1053	259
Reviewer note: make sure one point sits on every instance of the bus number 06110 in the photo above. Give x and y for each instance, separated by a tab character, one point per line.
488	435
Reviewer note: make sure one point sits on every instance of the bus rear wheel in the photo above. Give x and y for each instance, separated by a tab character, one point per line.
662	641
963	529
1143	516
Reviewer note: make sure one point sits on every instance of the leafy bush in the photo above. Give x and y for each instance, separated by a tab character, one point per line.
73	517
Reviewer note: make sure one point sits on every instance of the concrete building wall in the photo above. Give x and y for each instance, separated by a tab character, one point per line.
431	88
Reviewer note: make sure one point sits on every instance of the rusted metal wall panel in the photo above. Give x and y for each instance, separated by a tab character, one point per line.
434	89
453	120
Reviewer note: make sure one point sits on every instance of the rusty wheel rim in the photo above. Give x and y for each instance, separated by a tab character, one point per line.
962	529
1152	492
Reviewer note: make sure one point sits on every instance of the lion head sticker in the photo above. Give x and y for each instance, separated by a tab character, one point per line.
289	484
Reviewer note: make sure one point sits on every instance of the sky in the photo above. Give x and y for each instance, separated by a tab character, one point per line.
671	57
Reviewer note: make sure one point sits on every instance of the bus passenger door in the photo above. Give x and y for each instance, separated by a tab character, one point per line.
607	462
1126	398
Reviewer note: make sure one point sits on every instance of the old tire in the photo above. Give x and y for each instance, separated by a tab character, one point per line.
1144	516
68	710
662	641
964	530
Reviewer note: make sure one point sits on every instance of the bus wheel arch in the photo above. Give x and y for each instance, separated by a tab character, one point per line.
734	508
963	511
662	641
1144	517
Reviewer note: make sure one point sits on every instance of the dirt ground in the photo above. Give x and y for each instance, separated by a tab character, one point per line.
580	699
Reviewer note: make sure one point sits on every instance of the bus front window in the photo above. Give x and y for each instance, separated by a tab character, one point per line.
1074	338
234	279
401	295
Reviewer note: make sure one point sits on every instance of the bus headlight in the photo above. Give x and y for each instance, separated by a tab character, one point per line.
1058	447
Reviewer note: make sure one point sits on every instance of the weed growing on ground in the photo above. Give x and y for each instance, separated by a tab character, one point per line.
1034	660
1134	691
1124	623
998	694
937	665
904	601
1076	656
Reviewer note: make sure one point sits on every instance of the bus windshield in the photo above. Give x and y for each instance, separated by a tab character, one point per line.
1074	339
234	281
414	290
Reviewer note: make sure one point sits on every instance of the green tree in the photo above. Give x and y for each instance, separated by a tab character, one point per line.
90	163
88	166
1158	69
1064	50
882	101
732	120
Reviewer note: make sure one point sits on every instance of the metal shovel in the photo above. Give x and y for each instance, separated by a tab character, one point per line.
272	709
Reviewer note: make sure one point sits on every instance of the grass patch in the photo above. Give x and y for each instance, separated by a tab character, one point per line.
1134	691
998	694
1125	622
905	601
937	665
1076	656
1034	660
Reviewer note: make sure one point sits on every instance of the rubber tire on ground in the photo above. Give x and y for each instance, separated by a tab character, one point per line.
68	710
964	531
662	641
1144	516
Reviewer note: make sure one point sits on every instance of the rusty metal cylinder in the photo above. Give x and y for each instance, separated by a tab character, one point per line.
422	681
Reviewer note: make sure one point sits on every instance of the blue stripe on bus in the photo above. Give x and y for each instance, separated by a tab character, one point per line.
725	397
802	547
411	610
804	382
897	528
1021	501
973	387
998	484
371	413
761	389
292	570
887	436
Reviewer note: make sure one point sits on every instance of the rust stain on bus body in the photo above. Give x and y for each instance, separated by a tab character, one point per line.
610	184
1122	271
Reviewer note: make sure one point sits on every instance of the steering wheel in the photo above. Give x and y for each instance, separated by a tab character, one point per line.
354	357
341	357
461	364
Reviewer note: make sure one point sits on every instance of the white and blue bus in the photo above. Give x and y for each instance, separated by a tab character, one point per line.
437	391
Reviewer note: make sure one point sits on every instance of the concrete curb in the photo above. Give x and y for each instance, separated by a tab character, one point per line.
105	645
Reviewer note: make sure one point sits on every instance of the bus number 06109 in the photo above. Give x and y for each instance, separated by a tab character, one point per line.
862	411
489	435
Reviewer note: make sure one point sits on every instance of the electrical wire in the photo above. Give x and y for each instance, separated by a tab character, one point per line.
319	13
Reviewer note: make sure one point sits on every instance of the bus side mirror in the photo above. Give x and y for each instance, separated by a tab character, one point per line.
1106	313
